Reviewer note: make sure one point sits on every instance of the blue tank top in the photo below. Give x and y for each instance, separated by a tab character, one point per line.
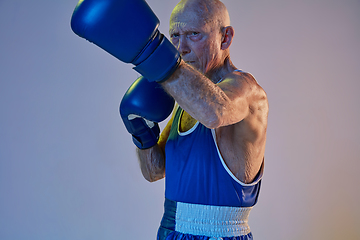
196	173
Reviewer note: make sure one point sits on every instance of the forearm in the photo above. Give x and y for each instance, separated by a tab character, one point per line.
152	163
198	96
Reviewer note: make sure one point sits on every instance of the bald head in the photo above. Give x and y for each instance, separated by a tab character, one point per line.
211	12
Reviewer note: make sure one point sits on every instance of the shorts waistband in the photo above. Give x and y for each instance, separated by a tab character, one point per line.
206	220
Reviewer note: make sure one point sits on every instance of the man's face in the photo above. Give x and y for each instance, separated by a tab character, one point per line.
199	43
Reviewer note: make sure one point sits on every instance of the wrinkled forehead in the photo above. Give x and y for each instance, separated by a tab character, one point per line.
188	18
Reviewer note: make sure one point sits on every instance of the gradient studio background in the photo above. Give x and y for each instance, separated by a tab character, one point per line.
67	165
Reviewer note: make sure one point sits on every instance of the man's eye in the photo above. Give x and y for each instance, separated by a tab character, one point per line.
194	33
174	35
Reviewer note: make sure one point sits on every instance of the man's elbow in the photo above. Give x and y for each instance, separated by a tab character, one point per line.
153	177
212	124
213	121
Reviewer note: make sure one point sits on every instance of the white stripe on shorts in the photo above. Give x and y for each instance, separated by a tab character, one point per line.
212	221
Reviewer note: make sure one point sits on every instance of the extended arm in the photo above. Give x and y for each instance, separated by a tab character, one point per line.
214	105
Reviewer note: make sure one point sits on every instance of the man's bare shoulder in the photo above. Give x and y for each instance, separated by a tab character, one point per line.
244	84
244	78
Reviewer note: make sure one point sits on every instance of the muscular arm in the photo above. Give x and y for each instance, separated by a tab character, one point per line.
152	160
212	105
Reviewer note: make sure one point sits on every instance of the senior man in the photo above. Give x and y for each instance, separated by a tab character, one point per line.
211	152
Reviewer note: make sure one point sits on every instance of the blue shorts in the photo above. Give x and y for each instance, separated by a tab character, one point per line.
184	221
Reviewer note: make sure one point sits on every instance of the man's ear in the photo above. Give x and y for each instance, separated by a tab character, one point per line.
228	35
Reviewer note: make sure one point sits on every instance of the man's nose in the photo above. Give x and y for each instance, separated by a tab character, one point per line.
183	45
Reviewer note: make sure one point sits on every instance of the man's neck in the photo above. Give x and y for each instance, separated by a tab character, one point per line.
218	73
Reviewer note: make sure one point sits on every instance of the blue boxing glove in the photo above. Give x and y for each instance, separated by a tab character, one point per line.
128	30
142	107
